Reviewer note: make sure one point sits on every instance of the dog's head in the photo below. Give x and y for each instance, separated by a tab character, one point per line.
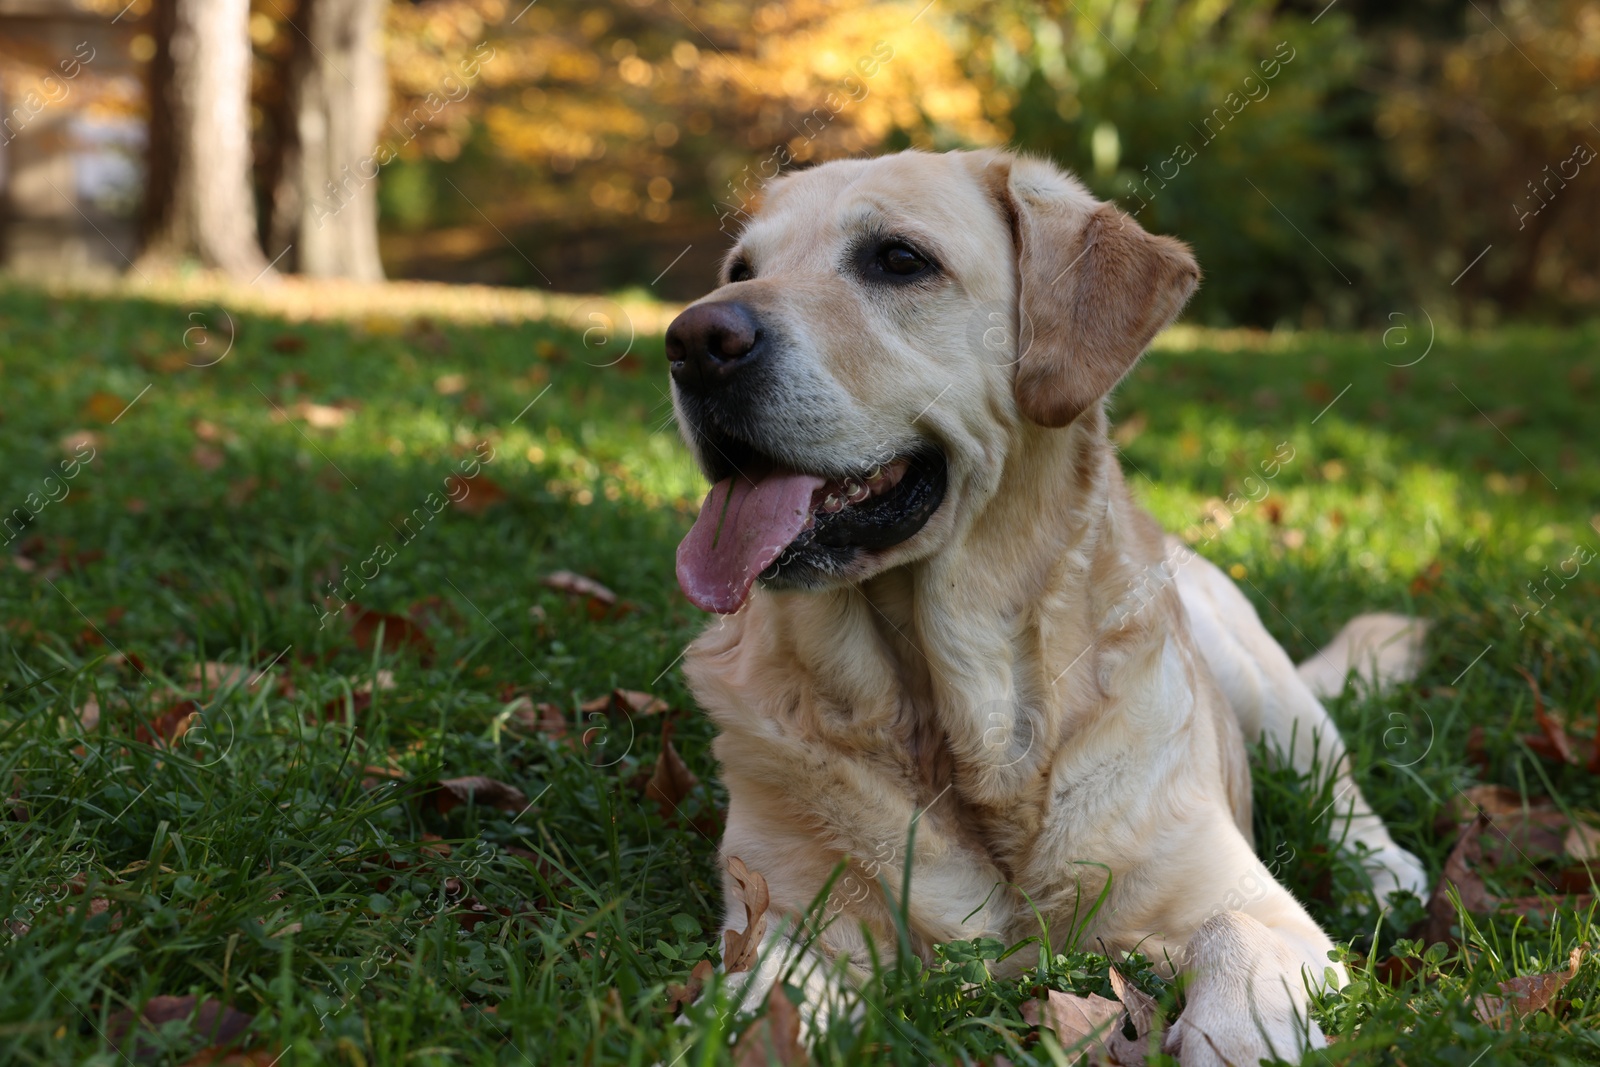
884	330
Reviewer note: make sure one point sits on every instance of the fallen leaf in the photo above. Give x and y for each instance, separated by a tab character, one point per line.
168	725
449	384
89	713
451	793
1527	994
376	774
624	702
320	416
576	585
1524	828
1077	1021
398	632
478	496
288	343
1582	843
1428	579
679	996
103	407
634	702
210	1020
1552	741
212	676
1142	1012
740	948
541	718
672	781
1460	870
773	1038
1493	800
78	440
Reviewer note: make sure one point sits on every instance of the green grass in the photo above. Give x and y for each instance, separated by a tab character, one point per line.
261	861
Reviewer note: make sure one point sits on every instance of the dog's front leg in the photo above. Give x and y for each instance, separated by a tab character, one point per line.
1247	997
1250	974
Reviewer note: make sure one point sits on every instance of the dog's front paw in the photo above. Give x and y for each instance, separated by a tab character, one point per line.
1392	870
1246	999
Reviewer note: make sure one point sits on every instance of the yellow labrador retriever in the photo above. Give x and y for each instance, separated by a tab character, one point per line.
943	608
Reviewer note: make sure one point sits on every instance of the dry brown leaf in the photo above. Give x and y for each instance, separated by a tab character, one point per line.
1077	1021
89	713
211	1020
103	407
541	718
634	702
450	384
321	416
213	676
600	602
671	782
478	494
1582	842
1552	741
679	996
1527	994
78	440
398	632
625	701
773	1038
1460	870
169	724
1493	800
207	457
1143	1012
576	585
741	948
1141	1005
451	793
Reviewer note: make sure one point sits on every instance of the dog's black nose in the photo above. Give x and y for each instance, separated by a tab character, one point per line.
709	343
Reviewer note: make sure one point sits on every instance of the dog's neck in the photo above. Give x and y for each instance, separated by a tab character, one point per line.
972	655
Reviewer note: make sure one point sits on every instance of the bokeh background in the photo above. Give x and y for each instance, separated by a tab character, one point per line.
1329	161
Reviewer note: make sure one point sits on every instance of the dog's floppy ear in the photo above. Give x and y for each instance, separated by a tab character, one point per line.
1093	288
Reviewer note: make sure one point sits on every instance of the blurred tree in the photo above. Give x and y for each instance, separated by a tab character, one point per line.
1492	137
198	198
1330	164
607	138
324	181
1225	123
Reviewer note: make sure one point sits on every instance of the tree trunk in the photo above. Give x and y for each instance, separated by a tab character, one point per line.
325	206
199	201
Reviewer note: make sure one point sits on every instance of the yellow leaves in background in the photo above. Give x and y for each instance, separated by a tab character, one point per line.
611	88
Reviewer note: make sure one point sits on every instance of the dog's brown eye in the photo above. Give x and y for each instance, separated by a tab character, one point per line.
901	260
740	272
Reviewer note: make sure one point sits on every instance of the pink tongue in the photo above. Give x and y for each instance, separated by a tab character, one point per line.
742	528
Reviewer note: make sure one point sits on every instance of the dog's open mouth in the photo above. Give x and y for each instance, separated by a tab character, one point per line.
788	528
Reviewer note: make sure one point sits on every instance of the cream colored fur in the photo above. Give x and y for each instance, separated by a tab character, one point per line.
1009	679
